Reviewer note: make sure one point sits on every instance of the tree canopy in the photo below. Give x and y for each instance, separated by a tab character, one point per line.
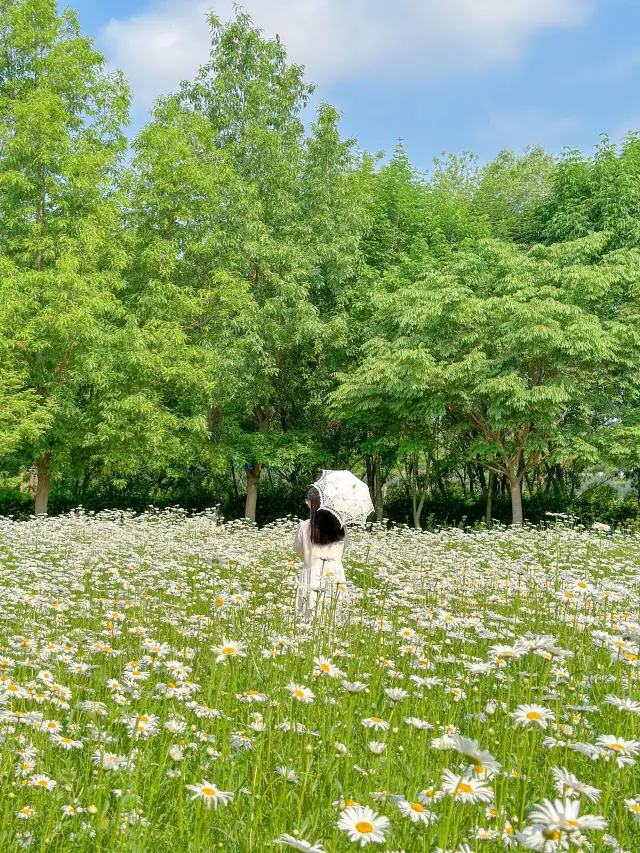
240	293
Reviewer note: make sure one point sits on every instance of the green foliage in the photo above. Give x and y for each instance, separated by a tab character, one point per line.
509	191
84	380
250	291
258	225
599	193
510	344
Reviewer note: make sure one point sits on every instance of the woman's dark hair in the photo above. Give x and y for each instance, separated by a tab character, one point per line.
325	527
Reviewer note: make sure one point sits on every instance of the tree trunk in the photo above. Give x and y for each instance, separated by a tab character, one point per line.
253	479
235	482
370	478
413	479
438	475
406	482
516	501
417	509
463	481
33	481
42	488
527	481
489	512
377	476
472	481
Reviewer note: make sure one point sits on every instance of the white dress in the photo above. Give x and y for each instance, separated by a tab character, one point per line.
322	573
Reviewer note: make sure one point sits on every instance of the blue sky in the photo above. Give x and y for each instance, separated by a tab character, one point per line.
444	75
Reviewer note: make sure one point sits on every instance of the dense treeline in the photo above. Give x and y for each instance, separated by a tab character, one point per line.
234	300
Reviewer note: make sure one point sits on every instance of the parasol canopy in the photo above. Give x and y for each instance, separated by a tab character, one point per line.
345	496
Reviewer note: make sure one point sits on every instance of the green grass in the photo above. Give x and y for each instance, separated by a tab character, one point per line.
151	596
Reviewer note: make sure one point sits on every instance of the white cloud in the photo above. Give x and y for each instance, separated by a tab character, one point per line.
337	40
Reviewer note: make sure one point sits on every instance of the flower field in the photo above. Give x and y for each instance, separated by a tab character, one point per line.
470	692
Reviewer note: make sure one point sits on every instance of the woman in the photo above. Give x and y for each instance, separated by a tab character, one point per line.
320	541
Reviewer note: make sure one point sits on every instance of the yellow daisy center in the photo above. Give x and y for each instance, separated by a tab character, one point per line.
533	715
364	826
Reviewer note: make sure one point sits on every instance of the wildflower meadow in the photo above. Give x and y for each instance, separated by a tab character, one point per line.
468	691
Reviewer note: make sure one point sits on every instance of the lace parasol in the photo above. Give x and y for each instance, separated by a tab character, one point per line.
345	496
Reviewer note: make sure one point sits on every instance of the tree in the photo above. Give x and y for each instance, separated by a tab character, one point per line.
83	373
262	223
20	417
511	189
60	125
513	344
594	193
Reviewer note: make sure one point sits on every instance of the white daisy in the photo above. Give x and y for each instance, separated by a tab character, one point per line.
566	784
633	806
526	715
618	748
228	649
564	815
44	782
376	723
300	844
301	693
363	825
481	759
465	789
210	794
625	704
417	812
353	686
417	723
